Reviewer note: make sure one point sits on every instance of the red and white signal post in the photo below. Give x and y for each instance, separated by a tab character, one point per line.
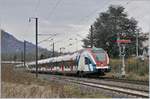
122	44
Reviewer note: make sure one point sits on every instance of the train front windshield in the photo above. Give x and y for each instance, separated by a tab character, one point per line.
100	54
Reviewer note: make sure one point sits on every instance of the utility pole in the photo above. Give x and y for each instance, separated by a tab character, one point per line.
24	53
36	32
76	44
53	50
21	56
91	36
137	45
60	51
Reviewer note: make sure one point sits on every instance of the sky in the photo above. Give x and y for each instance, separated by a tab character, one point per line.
69	20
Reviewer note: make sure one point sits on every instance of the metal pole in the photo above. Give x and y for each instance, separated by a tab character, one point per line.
21	56
24	53
76	44
91	36
53	50
36	30
137	52
60	51
36	38
123	61
118	38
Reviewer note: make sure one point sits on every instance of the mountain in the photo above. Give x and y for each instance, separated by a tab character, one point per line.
12	48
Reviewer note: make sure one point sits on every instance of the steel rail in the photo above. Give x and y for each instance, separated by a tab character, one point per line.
125	80
125	87
120	89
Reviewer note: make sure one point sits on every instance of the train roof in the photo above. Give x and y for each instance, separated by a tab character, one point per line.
67	57
56	59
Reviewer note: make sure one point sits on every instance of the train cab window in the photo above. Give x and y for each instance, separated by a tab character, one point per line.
100	56
87	61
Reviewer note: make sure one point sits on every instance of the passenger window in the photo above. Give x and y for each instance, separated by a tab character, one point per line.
87	61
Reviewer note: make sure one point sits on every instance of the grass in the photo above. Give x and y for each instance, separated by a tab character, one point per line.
18	84
136	69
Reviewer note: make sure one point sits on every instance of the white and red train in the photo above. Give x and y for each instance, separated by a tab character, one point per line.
85	61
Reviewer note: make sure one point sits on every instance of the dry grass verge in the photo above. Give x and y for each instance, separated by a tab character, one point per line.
19	84
136	69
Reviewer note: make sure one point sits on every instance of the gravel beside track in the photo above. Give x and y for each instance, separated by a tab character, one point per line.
119	89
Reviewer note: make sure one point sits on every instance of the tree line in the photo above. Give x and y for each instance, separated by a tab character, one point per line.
109	25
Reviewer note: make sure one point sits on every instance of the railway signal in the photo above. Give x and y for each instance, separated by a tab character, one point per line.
122	44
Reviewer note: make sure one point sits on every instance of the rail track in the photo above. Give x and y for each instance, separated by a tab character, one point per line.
135	92
128	87
125	80
116	79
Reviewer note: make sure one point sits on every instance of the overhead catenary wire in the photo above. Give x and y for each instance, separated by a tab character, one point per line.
34	10
71	44
56	5
53	9
49	15
82	19
44	40
59	41
89	15
36	7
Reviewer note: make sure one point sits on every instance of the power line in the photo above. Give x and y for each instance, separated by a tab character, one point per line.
50	13
47	39
45	34
34	11
53	9
82	19
58	41
70	44
36	7
58	2
44	40
90	14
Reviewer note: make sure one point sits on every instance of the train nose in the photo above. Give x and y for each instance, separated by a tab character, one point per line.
100	64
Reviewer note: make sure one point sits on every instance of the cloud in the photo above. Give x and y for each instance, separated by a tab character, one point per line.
139	9
69	18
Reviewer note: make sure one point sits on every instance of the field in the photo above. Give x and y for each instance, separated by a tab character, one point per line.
136	69
19	84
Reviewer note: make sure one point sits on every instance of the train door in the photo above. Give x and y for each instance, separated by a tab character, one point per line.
81	63
88	64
